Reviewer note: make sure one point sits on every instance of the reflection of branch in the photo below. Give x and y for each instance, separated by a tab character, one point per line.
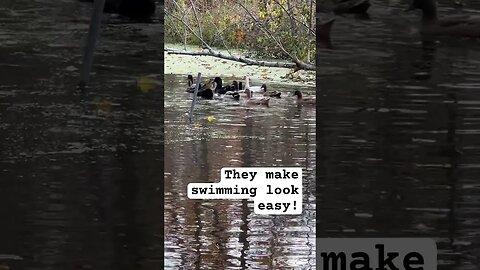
239	59
300	63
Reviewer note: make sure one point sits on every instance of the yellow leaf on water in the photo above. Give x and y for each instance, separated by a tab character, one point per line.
146	84
103	105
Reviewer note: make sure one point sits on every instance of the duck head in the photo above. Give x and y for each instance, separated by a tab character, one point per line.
212	85
298	94
235	86
218	82
190	80
264	87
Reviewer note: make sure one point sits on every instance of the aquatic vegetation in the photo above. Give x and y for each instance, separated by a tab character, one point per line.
211	67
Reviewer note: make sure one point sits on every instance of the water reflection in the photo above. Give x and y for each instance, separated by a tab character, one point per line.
80	172
398	137
223	234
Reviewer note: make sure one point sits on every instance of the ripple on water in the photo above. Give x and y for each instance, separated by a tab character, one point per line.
228	233
400	133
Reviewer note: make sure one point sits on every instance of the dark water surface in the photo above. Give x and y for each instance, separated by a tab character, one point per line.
227	234
399	143
80	173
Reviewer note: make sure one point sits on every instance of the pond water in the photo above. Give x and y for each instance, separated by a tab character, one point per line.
227	234
399	142
80	172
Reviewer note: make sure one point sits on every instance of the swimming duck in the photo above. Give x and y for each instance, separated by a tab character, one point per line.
220	89
352	6
234	95
191	85
233	90
250	100
254	89
271	93
134	9
207	90
312	100
457	25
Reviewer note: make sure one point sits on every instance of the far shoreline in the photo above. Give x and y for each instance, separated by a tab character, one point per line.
212	66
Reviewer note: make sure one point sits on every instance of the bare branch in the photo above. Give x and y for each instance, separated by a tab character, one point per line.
196	19
189	28
292	17
297	63
244	60
220	33
300	63
266	31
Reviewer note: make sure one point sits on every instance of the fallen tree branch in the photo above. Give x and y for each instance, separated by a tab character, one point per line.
244	60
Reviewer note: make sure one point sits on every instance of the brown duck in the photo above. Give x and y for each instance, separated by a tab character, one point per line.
310	100
457	25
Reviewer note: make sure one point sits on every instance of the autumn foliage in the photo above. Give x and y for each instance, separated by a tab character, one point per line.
245	25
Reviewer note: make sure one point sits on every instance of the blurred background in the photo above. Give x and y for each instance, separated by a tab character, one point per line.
398	122
80	171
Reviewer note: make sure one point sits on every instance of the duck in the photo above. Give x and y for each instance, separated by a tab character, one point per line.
219	88
207	90
312	100
323	32
250	100
234	95
134	9
352	7
254	89
233	90
191	85
456	25
271	93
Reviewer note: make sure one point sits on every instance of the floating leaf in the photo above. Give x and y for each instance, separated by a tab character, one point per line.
103	105
146	84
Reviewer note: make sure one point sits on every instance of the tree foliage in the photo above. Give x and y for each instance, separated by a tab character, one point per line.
282	29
